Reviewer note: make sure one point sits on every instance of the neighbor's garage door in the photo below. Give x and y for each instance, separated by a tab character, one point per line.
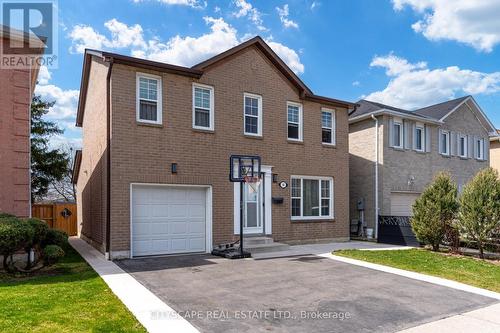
401	203
168	220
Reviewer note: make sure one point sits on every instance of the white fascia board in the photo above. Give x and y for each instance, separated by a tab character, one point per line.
396	114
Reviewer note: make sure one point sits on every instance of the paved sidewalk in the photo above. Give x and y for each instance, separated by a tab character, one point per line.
321	248
485	320
150	311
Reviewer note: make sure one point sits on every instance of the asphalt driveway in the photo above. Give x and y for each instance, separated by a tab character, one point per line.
294	294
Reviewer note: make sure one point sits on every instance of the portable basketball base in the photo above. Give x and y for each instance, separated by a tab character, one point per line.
242	169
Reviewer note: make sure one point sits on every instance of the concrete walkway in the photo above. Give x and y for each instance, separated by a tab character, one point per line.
485	320
150	311
321	248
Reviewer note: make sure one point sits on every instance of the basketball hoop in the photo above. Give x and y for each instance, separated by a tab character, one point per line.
253	182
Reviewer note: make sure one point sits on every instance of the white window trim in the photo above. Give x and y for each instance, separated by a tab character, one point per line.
259	114
448	134
422	138
299	123
332	198
401	133
480	151
333	128
466	146
159	101
211	110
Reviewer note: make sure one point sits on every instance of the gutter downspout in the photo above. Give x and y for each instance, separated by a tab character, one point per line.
376	173
108	158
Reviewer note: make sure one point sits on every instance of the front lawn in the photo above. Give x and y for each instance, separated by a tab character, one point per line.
67	297
478	273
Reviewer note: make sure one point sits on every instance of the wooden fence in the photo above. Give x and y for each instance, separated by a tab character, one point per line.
60	216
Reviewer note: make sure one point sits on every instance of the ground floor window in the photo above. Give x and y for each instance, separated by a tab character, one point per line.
311	197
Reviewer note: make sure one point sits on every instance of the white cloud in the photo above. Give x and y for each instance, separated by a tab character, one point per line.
474	23
190	3
187	51
245	9
356	84
315	4
288	55
44	75
63	113
122	36
179	50
415	85
283	14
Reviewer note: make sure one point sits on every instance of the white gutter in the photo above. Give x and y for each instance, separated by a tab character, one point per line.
415	117
376	173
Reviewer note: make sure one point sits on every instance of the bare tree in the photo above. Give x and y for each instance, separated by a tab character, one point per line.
64	189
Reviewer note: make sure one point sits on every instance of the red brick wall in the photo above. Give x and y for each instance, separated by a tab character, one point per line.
142	153
15	99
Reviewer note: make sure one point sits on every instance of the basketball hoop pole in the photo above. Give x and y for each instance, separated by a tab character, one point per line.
242	202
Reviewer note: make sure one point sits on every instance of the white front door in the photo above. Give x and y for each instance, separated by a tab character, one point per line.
253	208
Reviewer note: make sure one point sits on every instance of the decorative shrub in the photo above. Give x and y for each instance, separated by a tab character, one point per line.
52	254
40	229
15	234
479	214
434	211
56	237
4	215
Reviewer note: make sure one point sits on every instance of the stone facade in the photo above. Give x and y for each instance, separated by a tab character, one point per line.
142	153
407	170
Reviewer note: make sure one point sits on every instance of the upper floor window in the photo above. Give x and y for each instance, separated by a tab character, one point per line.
444	143
203	107
328	126
312	197
294	116
419	138
462	145
253	114
397	132
480	149
148	107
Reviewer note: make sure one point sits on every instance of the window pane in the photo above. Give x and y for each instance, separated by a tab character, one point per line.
325	207
202	118
293	113
295	207
296	188
293	131
419	139
326	135
251	124
148	111
325	188
397	135
326	119
251	106
311	197
444	143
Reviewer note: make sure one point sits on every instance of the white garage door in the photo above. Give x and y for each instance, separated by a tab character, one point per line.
401	203
168	220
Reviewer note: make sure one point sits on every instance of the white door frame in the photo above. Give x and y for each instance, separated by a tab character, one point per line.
208	211
267	211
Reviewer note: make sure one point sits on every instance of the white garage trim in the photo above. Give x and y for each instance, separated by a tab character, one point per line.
208	211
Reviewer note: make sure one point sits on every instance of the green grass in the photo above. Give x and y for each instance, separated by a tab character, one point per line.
66	297
478	273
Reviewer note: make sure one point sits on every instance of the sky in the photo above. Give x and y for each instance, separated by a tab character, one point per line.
405	53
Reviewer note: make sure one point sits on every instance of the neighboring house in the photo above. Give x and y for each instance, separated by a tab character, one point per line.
411	147
153	176
495	151
16	90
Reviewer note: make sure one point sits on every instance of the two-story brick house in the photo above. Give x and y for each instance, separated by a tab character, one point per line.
395	153
153	174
